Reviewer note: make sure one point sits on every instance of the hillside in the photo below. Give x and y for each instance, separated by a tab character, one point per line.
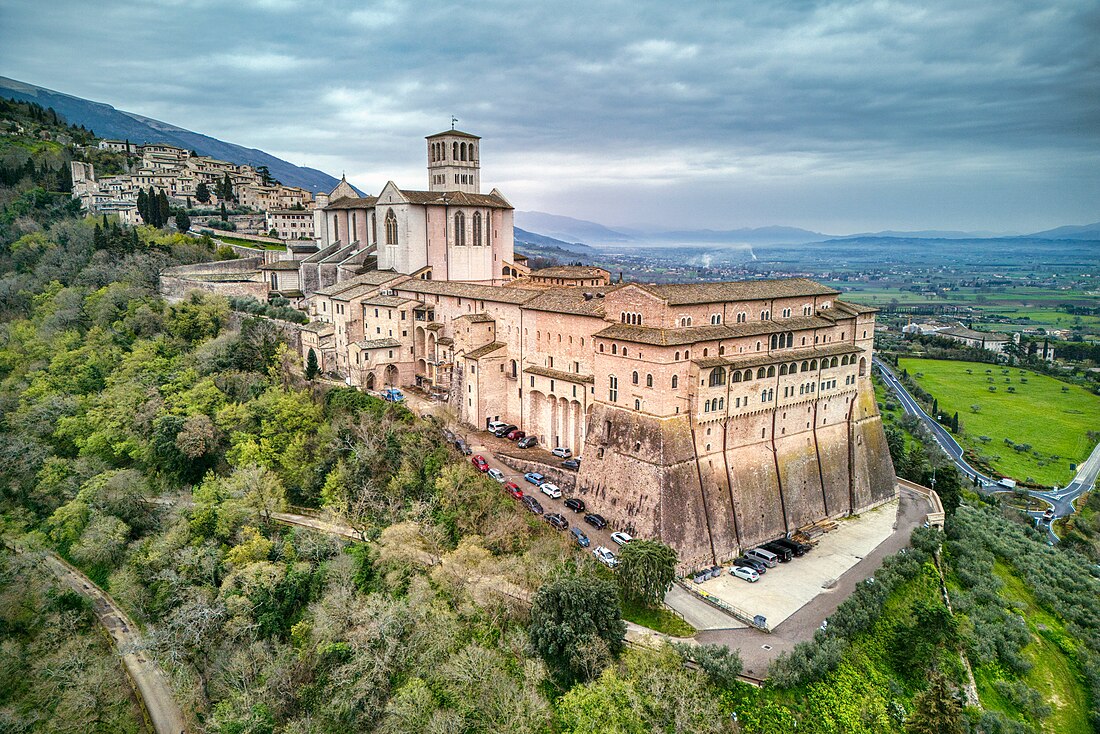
108	122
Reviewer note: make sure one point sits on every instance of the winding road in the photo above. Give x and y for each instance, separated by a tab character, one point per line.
1060	500
149	681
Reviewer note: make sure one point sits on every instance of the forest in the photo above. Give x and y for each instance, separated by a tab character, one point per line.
151	444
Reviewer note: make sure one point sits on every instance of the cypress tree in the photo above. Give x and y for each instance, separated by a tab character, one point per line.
202	193
133	239
311	364
98	240
225	216
183	222
955	422
163	209
935	407
143	205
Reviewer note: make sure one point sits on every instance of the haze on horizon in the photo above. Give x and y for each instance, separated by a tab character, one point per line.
835	117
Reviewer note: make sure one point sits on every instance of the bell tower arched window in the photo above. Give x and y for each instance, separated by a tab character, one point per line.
391	228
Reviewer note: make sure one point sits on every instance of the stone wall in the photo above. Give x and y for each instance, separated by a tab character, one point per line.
227	278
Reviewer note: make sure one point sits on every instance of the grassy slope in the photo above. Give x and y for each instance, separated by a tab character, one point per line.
1054	674
659	620
1039	413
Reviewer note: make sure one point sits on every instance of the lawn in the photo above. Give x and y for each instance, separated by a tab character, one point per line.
1055	424
658	620
1054	673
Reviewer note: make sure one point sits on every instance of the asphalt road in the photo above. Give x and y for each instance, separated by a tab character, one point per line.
1060	500
149	680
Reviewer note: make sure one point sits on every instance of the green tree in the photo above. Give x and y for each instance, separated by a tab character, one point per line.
647	569
571	615
163	210
311	364
955	422
183	222
612	705
202	193
936	710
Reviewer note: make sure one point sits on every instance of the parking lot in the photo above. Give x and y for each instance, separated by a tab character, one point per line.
785	589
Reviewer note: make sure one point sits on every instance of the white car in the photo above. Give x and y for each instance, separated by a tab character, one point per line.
551	490
496	475
621	538
494	426
743	572
562	452
606	557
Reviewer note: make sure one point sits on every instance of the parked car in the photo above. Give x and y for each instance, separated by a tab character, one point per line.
756	565
744	572
595	520
571	464
449	435
606	557
527	442
392	395
766	557
532	504
513	489
575	504
462	447
515	435
534	478
557	521
798	549
494	426
504	430
580	537
562	452
496	475
551	490
621	538
782	552
480	463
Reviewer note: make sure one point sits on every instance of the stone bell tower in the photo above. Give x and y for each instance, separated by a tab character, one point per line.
454	162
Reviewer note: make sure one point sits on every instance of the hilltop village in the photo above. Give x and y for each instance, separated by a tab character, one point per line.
710	415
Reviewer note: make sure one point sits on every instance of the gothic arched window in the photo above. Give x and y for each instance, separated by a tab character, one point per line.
374	228
391	228
477	229
460	229
675	381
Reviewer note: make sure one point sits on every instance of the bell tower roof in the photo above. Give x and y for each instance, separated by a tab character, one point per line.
454	133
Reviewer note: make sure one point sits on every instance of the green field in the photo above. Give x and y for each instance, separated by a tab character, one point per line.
1054	673
1054	423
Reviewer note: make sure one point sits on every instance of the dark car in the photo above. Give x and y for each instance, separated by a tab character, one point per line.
580	537
575	504
798	549
515	435
504	431
449	435
571	464
513	489
532	504
783	552
463	448
557	521
527	442
596	521
752	563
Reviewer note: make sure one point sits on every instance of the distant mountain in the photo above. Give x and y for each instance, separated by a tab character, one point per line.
107	122
522	236
931	234
773	235
1070	232
569	229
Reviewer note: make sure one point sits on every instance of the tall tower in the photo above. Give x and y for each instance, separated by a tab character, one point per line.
454	162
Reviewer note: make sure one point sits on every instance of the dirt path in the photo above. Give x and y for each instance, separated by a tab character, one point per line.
147	678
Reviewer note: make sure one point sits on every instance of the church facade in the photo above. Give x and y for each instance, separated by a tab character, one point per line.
713	416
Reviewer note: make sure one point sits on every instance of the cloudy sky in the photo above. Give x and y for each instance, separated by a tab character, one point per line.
838	117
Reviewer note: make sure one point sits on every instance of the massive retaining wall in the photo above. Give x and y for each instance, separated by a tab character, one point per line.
227	278
713	489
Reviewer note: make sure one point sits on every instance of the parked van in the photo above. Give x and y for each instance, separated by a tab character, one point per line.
766	557
783	553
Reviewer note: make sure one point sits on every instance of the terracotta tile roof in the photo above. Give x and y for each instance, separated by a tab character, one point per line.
477	318
378	344
434	326
570	271
693	334
387	301
856	308
319	327
571	300
468	290
445	341
281	265
358	291
456	133
559	375
455	198
484	350
738	290
353	202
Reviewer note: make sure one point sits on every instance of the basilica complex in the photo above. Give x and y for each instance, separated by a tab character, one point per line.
713	416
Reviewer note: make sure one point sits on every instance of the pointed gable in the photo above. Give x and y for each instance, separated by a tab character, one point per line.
343	190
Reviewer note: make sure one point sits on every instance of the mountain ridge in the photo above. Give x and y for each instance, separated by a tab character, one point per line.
110	122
